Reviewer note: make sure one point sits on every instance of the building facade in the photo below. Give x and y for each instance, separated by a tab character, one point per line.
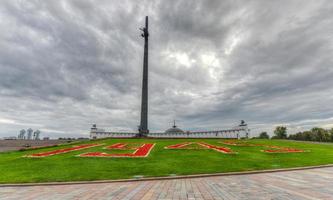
240	131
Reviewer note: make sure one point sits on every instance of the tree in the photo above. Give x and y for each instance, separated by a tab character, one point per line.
280	132
264	135
315	134
320	134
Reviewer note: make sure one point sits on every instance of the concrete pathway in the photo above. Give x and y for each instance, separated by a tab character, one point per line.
294	185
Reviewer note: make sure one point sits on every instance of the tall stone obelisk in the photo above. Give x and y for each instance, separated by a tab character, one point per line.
143	129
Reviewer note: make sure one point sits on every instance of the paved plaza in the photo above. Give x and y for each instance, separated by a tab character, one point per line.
11	145
302	185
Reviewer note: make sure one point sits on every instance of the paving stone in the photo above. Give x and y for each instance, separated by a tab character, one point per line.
294	185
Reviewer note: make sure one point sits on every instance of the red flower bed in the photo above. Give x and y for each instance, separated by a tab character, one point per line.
217	148
142	151
229	143
205	145
60	151
178	146
273	149
123	146
116	146
276	149
286	150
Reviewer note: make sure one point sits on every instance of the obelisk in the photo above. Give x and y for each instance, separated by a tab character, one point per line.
143	129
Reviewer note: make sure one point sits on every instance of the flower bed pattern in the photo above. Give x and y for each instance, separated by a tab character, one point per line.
142	151
116	146
217	148
184	145
61	151
121	146
283	150
273	149
205	145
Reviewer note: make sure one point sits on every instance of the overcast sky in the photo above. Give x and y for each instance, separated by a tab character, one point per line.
65	65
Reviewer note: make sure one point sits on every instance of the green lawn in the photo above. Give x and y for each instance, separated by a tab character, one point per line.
14	168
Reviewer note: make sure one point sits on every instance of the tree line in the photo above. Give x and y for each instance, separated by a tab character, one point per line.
315	134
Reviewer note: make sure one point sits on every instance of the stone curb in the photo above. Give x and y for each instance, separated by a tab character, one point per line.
164	178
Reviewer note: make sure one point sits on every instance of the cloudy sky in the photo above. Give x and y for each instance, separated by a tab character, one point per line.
65	65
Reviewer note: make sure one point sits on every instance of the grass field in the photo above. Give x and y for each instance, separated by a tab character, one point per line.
15	168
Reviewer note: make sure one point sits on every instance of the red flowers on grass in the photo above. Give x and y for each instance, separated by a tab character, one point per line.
60	151
142	151
178	146
216	148
116	146
122	146
283	150
205	145
273	149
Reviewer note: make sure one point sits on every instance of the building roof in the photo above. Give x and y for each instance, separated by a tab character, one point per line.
174	129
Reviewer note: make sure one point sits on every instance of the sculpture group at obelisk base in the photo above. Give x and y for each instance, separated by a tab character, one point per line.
143	128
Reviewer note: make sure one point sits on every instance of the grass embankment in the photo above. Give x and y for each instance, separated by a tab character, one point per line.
15	168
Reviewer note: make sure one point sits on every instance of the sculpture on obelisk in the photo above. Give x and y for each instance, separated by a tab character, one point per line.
143	129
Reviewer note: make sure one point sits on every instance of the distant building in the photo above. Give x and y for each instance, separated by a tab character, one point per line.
21	135
29	134
36	134
240	131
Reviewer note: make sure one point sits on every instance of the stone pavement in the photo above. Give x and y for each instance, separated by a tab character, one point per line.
294	185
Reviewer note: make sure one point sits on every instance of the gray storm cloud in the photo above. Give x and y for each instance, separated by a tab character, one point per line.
67	64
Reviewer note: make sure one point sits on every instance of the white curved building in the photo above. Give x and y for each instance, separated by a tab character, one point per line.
240	131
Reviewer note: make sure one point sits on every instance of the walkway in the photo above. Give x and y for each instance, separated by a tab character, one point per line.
304	184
